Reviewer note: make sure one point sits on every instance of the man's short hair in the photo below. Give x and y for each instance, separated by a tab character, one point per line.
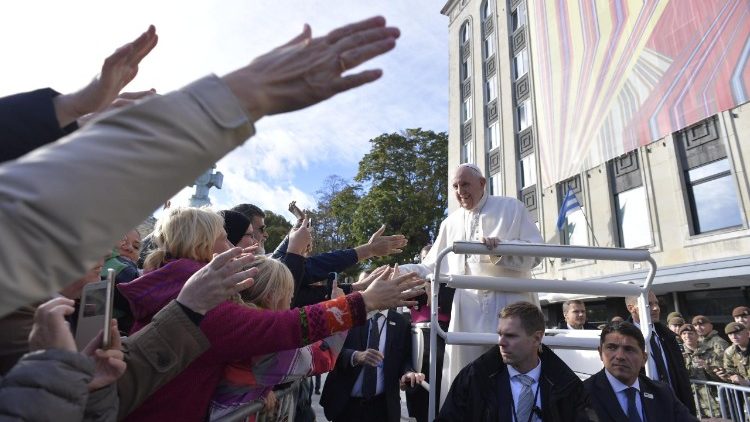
531	316
567	303
626	329
249	211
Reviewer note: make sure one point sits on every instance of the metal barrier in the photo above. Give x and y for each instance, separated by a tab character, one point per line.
733	400
286	404
510	284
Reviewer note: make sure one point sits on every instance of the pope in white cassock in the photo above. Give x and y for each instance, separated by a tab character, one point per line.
491	220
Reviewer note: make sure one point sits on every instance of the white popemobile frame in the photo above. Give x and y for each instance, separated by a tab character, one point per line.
511	284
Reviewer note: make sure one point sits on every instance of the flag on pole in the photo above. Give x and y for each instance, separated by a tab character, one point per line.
569	204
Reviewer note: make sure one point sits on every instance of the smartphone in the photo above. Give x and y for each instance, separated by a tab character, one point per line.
95	312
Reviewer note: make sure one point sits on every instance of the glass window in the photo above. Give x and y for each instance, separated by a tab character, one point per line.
489	46
633	218
467	152
493	136
466	110
713	197
528	171
496	184
575	231
524	115
490	89
486	10
520	64
518	16
464	33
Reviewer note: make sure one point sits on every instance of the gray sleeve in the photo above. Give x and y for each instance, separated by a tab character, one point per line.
46	385
65	201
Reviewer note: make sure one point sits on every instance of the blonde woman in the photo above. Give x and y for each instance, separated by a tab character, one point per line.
186	240
245	382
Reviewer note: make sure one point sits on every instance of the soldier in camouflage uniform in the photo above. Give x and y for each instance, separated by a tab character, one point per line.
708	336
700	360
741	314
737	356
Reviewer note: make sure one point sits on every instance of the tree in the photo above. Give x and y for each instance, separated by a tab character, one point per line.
407	175
277	228
402	182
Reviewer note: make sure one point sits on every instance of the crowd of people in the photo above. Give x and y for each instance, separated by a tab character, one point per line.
206	320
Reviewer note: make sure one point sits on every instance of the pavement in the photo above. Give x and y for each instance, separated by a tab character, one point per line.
320	417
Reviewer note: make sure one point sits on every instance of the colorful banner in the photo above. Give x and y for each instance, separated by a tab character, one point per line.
610	76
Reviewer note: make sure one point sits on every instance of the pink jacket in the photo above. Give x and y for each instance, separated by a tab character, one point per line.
236	332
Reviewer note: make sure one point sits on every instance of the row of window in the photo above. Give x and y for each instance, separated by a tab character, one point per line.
710	192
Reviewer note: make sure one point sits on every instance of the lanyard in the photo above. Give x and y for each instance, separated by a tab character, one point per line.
533	407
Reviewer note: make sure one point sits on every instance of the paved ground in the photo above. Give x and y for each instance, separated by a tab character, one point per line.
319	417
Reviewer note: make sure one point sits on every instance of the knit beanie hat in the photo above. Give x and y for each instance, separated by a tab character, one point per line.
235	224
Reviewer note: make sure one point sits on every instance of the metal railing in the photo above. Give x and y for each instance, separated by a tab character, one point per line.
512	284
733	400
286	403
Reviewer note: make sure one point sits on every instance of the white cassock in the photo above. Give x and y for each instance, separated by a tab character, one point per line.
476	310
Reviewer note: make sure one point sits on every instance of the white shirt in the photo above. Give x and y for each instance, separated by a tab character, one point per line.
383	328
516	386
622	397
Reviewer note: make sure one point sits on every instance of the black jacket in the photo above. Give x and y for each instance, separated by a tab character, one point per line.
659	403
396	362
481	392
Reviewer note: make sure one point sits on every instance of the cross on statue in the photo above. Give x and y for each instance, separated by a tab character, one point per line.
202	184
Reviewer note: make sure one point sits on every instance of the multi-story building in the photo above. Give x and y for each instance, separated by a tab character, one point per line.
639	108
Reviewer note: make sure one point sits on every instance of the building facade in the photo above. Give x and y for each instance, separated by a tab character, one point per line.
640	110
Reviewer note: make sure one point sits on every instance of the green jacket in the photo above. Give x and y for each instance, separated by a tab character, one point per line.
714	341
737	362
700	360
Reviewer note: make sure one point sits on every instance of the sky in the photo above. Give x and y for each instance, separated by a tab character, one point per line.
63	44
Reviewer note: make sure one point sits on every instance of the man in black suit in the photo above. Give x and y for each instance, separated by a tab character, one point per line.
667	363
520	380
374	362
574	312
619	392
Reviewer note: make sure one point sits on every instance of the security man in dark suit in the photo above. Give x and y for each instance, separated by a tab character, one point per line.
374	362
666	361
619	392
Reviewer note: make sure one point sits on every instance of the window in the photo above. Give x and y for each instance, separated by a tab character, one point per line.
466	110
486	10
713	197
528	171
631	207
467	152
496	185
524	115
518	17
493	136
463	36
575	229
710	188
490	89
520	64
489	46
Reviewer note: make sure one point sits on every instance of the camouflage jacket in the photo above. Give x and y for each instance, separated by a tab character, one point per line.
700	360
714	341
737	362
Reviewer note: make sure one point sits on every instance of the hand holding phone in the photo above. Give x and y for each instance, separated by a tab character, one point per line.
95	312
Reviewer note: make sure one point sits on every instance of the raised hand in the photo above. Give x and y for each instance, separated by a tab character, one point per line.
117	71
308	70
221	279
386	292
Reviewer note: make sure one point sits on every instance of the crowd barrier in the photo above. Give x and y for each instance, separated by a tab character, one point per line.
732	400
287	401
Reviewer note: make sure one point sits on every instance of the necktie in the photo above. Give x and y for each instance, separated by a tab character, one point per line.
658	358
633	415
370	375
525	399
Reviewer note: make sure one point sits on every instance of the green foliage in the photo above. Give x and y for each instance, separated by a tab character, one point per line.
402	182
277	228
